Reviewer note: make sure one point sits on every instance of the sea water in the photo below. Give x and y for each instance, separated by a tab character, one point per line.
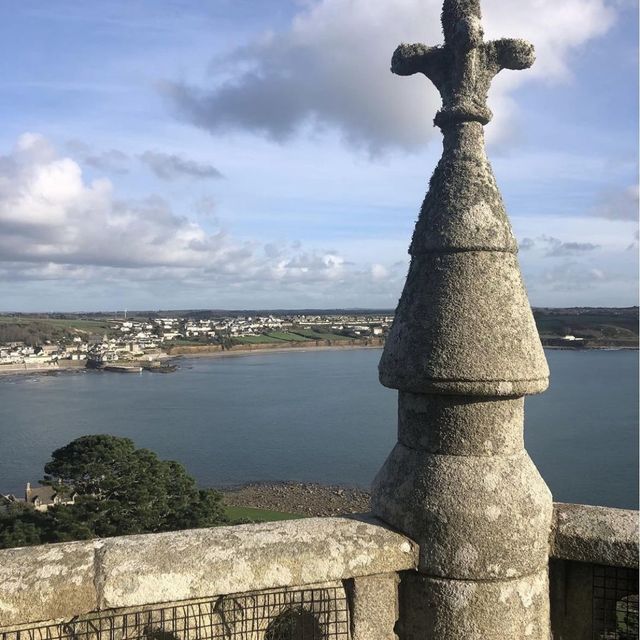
314	416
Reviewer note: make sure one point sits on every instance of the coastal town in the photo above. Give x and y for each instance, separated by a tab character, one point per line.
122	342
131	342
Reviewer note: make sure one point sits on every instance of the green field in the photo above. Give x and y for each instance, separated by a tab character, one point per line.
90	326
236	514
560	323
286	336
598	328
36	330
255	340
314	334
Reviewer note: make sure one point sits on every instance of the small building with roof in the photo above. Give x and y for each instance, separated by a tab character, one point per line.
41	498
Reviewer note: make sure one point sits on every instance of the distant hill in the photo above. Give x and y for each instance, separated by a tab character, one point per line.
598	326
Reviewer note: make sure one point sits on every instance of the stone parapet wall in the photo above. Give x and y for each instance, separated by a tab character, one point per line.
600	535
358	558
593	573
62	581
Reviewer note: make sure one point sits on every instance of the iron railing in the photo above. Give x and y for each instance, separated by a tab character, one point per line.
303	614
615	603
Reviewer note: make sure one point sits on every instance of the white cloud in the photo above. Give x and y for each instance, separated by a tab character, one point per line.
50	214
62	232
331	68
379	272
55	226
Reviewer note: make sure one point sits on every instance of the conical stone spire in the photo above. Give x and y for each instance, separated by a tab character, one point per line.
463	351
463	324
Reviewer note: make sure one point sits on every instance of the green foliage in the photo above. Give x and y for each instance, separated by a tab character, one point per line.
602	324
31	333
285	335
257	339
319	333
35	331
21	526
118	490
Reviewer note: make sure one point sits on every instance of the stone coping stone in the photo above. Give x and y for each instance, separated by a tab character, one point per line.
601	535
68	579
47	582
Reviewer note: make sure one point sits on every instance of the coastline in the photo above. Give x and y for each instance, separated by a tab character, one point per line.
597	348
232	353
194	353
21	369
178	354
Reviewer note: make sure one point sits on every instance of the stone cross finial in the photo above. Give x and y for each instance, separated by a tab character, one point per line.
463	351
462	69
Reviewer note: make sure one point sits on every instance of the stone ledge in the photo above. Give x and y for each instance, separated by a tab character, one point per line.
47	582
601	535
68	579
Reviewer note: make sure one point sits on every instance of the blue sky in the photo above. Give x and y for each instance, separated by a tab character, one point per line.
252	153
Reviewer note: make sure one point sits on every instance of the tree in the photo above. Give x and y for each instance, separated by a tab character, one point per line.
21	526
118	490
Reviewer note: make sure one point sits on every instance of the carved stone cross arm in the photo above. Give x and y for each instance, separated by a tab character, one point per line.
510	53
408	59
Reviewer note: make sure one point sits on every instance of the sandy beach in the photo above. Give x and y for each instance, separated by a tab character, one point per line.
248	352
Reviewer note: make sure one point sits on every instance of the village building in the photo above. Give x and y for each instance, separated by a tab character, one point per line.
43	497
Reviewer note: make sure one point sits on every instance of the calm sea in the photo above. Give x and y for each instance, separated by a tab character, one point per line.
315	416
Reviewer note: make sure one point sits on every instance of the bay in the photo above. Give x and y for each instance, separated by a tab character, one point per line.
315	416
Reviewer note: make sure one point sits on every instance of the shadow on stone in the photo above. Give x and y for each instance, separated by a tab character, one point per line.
294	624
158	634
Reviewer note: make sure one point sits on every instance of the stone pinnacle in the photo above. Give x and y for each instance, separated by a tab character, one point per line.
463	350
463	324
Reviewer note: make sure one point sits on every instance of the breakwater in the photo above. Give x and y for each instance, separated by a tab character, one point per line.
43	367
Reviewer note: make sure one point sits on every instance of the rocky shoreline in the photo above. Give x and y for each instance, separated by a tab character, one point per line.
308	499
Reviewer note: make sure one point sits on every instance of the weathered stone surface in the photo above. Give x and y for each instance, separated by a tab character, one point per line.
45	582
197	563
64	580
460	425
481	517
459	214
374	607
463	68
459	481
464	326
601	535
459	609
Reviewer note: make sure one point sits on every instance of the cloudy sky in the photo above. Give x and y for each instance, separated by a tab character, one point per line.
259	153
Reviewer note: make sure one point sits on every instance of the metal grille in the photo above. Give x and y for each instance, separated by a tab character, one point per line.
615	603
308	614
